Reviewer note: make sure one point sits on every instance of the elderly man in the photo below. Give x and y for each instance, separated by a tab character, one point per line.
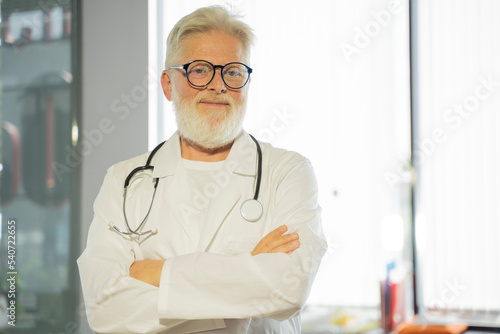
215	232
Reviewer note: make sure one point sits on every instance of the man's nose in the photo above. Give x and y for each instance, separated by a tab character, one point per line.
217	84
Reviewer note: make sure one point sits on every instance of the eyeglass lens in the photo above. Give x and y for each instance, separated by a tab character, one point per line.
200	73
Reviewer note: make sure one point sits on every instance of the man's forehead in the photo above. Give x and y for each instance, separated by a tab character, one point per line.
214	46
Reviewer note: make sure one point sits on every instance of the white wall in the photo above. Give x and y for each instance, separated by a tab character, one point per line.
114	99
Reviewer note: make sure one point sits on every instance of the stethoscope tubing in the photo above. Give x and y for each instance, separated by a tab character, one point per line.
148	166
259	168
145	218
136	170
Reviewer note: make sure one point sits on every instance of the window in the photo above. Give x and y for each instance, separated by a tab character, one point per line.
456	146
37	236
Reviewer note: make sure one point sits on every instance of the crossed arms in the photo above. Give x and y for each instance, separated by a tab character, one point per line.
149	271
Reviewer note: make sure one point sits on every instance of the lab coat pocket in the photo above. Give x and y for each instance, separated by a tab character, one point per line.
235	245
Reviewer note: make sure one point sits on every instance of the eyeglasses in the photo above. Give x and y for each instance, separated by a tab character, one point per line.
201	72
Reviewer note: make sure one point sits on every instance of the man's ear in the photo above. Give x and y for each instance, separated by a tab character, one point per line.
166	84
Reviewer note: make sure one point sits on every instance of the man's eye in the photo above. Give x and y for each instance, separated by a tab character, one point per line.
233	72
199	70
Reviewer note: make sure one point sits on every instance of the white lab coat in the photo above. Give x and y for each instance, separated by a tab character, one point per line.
210	283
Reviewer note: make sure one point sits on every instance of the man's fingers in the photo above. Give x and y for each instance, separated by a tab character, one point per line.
281	241
268	238
287	248
275	233
286	244
276	242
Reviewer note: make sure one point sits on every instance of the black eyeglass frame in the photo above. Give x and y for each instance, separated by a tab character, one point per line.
215	67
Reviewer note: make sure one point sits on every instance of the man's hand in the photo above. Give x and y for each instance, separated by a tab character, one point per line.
148	271
276	242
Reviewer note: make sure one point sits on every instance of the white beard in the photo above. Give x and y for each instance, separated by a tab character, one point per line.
214	130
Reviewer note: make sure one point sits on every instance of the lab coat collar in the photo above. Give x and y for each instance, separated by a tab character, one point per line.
242	159
167	158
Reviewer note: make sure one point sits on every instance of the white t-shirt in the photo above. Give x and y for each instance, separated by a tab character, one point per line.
201	175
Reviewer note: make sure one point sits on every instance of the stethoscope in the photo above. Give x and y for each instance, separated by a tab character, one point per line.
251	209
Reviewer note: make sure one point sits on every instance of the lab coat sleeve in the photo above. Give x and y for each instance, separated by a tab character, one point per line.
211	286
115	302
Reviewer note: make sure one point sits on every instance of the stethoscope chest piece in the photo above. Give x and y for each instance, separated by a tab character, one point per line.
251	210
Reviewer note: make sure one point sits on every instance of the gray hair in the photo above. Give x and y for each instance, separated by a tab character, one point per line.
204	20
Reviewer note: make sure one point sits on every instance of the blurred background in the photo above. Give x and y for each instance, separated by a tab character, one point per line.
396	103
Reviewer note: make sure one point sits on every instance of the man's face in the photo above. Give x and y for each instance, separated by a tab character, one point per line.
209	116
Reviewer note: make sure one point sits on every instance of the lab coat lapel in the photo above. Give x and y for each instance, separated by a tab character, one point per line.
183	210
168	164
240	162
